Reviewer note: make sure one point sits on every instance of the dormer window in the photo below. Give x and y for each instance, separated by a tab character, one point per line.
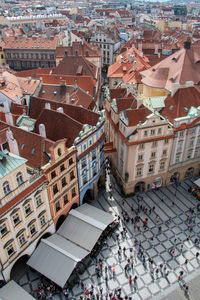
6	188
59	152
19	178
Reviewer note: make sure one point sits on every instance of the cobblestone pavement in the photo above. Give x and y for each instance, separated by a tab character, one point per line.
148	286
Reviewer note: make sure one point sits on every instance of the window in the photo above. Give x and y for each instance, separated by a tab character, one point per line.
55	189
93	155
65	199
84	178
72	175
3	230
181	134
64	182
162	165
166	141
159	130
57	206
19	178
62	168
177	158
151	168
32	229
193	130
71	161
153	154
59	152
164	152
73	192
152	131
191	143
140	157
83	163
139	171
22	240
42	221
27	209
189	155
53	174
145	133
10	250
141	146
6	188
16	219
38	201
94	169
154	144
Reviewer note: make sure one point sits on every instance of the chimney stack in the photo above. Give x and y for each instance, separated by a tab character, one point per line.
121	59
134	66
13	146
60	109
42	130
47	105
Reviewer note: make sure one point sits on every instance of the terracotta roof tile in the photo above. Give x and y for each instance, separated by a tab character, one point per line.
31	43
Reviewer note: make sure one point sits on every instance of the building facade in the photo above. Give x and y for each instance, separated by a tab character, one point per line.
90	157
24	213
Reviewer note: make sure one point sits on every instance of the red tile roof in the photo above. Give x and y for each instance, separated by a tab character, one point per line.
179	67
178	106
80	114
75	65
27	141
33	43
134	116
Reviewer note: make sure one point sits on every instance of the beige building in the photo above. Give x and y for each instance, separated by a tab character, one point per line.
24	211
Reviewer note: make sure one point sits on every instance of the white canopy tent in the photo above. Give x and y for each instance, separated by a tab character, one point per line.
57	256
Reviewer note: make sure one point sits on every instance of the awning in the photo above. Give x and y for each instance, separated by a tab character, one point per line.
13	291
197	182
57	256
55	260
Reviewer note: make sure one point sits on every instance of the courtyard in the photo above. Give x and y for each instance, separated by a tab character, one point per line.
167	229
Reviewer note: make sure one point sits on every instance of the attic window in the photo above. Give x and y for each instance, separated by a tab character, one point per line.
76	52
174	58
22	146
153	69
55	92
185	109
43	92
59	152
33	151
86	53
66	53
172	79
171	107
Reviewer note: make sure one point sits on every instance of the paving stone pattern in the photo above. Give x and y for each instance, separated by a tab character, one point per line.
149	286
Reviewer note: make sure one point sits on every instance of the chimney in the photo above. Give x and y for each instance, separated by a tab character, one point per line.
121	59
42	130
13	146
129	57
47	105
133	46
67	97
156	49
158	54
60	109
6	107
134	66
140	47
141	54
9	118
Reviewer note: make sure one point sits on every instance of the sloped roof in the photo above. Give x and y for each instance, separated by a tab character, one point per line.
134	116
178	106
180	67
63	126
80	114
75	65
9	162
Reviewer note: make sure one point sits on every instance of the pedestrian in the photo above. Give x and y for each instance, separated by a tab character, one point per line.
197	255
123	201
181	247
135	279
101	291
130	280
157	271
186	261
154	208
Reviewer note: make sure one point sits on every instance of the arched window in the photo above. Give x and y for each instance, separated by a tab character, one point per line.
19	178
59	152
6	188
